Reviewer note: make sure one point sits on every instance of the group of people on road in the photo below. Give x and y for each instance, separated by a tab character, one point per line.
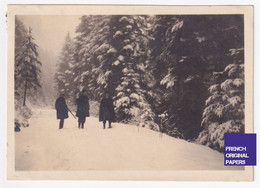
106	110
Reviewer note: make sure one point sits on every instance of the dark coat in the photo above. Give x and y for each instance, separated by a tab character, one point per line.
61	108
83	106
106	110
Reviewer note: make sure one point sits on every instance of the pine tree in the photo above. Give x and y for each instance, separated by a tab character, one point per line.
64	75
128	68
90	48
224	112
26	73
20	38
186	50
178	71
156	68
28	67
110	50
22	113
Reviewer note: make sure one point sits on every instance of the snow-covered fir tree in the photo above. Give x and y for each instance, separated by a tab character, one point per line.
26	73
22	113
20	38
107	48
91	46
156	68
130	44
64	74
178	70
185	50
224	112
28	67
225	56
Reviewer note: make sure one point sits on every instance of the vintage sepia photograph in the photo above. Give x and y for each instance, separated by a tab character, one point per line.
122	93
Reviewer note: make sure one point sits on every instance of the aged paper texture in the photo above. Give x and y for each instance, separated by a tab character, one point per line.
29	160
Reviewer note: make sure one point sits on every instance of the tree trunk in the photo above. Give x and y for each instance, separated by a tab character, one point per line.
25	88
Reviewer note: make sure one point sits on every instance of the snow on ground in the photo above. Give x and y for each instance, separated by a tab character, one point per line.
42	146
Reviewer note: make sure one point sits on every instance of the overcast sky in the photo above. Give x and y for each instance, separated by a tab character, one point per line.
50	31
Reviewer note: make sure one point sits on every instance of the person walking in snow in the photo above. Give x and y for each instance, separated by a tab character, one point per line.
106	111
61	109
82	108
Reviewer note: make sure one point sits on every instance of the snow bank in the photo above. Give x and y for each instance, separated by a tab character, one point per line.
42	146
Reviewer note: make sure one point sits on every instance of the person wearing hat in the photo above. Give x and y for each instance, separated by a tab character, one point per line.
82	108
61	109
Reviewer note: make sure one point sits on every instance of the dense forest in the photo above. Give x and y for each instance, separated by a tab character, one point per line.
182	75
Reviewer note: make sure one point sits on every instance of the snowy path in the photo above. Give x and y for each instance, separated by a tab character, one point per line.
42	146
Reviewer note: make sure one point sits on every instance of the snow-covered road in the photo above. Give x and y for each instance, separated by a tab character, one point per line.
42	146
